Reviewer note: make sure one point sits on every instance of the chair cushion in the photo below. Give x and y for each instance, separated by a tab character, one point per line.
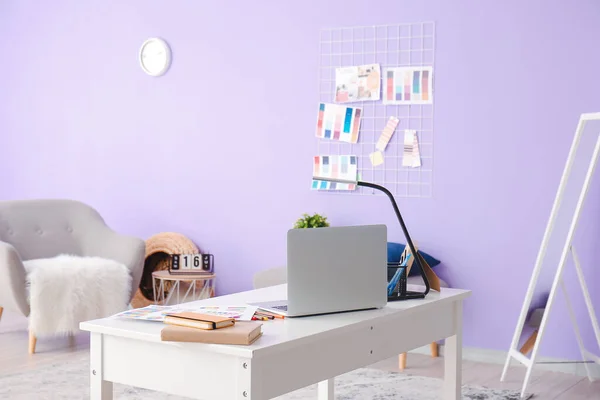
67	290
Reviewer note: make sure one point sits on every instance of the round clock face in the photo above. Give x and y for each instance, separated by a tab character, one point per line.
155	56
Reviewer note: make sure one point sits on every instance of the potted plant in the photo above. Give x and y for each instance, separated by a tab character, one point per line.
311	221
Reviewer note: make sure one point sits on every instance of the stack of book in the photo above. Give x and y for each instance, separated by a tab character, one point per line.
203	328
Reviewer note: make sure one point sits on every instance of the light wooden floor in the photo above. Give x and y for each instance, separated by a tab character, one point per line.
545	384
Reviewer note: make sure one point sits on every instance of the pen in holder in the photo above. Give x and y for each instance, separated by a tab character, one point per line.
397	279
396	289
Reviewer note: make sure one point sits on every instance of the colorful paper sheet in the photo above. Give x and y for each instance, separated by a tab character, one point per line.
335	166
149	313
387	133
158	313
411	156
357	83
408	85
338	122
376	158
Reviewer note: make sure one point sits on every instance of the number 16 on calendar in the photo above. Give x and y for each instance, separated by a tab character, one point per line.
191	264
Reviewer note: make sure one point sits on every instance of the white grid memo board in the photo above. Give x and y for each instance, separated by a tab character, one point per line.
402	45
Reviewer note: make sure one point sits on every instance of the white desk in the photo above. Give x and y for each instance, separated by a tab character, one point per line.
291	354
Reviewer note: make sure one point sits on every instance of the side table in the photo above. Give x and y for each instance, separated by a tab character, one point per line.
200	286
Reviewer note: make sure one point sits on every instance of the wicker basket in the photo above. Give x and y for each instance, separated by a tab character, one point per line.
159	249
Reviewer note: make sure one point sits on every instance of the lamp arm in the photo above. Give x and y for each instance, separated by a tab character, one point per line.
399	216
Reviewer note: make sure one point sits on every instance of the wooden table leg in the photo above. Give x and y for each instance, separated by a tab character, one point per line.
32	342
434	349
402	361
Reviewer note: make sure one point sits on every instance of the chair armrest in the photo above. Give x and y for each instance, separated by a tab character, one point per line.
128	250
13	290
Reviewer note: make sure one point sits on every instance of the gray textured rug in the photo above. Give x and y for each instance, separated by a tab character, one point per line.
69	381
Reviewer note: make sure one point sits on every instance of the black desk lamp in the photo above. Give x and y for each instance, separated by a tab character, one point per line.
418	258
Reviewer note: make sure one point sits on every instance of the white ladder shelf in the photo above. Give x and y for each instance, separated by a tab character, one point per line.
592	122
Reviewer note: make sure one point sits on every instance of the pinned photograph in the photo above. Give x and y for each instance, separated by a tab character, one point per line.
358	83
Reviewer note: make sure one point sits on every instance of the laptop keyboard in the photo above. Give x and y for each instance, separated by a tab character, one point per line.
282	308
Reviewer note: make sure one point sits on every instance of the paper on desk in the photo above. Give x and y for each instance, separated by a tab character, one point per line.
149	313
411	156
158	313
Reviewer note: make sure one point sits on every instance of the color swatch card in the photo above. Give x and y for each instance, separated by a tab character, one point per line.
387	133
158	313
357	83
148	313
411	156
376	158
408	85
335	166
338	122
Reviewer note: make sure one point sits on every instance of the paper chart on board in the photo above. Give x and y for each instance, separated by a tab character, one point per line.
357	83
335	166
158	313
411	157
338	122
408	85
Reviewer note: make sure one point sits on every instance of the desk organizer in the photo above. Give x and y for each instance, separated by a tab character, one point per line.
398	274
400	291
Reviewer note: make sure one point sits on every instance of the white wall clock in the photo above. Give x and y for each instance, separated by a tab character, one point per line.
155	56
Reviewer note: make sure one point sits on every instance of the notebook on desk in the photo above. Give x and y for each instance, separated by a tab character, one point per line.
334	269
241	333
198	320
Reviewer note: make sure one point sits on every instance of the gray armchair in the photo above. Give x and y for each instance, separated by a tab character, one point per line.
31	229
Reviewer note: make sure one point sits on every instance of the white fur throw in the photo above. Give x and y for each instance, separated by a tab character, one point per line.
66	290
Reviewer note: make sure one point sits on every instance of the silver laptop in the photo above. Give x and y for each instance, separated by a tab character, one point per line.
334	269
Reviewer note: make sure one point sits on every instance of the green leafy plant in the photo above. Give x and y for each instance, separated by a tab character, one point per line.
311	221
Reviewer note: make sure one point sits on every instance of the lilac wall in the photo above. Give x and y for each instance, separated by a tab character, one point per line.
219	148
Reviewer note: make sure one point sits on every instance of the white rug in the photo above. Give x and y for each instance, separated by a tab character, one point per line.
66	290
69	381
